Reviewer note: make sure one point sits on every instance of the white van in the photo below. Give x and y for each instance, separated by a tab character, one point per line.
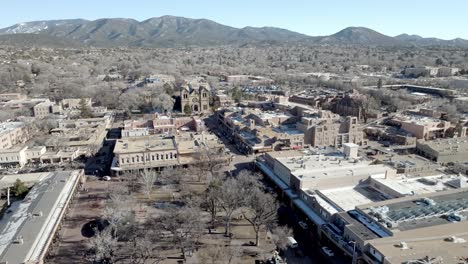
292	243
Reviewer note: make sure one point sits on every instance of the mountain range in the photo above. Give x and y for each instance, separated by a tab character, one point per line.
171	31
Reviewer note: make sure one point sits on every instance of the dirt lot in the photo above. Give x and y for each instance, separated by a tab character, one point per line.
89	205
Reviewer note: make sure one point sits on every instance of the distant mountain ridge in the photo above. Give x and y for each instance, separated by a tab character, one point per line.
170	31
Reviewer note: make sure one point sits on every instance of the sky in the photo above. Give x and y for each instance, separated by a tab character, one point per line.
430	18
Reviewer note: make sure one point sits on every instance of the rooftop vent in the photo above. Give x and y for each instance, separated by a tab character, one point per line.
455	239
403	245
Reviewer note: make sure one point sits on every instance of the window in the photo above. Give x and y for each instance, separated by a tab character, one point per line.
157	156
122	161
133	159
152	157
167	156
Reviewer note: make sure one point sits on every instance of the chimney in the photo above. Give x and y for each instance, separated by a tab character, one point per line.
251	123
350	150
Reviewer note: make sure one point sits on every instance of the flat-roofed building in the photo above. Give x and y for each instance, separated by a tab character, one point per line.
158	151
423	126
416	227
43	109
74	103
161	124
444	151
12	133
27	232
410	165
12	96
13	157
327	129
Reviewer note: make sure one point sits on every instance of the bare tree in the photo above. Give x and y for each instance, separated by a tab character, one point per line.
146	180
143	247
103	245
230	199
119	210
280	236
261	212
210	199
185	226
218	254
163	102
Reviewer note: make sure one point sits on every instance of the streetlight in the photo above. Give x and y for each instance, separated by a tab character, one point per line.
354	251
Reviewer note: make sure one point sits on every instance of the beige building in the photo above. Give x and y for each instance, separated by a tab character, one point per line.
195	97
353	201
46	108
414	228
158	152
12	96
12	133
324	129
444	151
423	127
74	103
13	157
161	124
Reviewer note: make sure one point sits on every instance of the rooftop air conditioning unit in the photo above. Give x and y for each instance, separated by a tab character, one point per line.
18	240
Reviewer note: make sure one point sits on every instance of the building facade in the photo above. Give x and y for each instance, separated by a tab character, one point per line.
195	98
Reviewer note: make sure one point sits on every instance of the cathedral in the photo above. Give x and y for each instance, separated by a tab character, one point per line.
195	98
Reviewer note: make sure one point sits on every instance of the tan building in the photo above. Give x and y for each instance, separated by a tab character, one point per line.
423	127
444	151
195	97
158	152
74	103
162	125
324	129
12	133
18	156
255	131
46	108
12	96
415	228
13	157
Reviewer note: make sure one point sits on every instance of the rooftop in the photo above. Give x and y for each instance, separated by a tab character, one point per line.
138	144
421	211
447	144
26	232
446	242
6	127
329	165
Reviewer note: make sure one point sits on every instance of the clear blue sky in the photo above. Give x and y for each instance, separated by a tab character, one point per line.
444	19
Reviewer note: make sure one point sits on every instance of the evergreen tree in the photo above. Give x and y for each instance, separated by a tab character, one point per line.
85	110
19	188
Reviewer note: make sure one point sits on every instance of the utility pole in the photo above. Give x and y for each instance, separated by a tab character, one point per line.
8	196
354	252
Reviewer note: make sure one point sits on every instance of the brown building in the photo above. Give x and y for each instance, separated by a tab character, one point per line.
195	98
327	129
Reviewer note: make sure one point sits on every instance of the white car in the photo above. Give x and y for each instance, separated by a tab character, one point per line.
328	251
106	178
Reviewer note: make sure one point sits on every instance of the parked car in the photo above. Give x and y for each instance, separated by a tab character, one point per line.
106	178
292	243
303	225
328	251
